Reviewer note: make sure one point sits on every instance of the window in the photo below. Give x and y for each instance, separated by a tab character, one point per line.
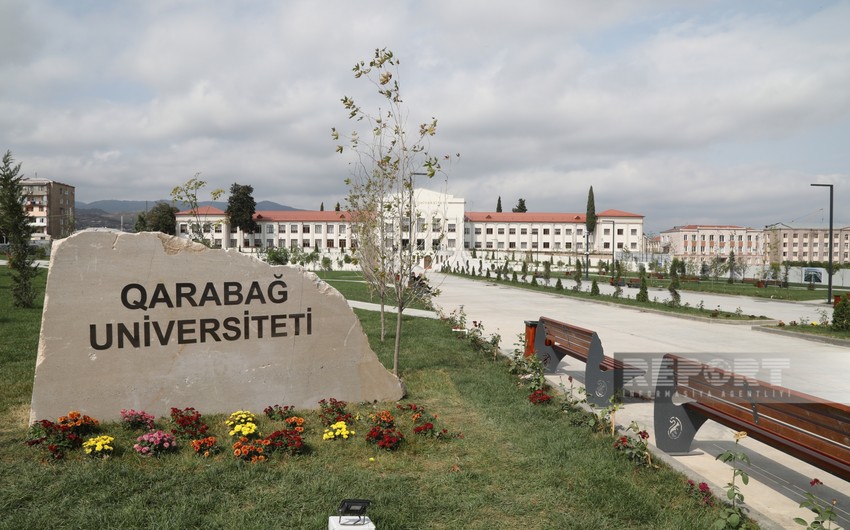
452	228
579	231
545	244
435	225
489	244
478	244
523	245
466	230
511	244
317	229
634	232
568	245
512	231
330	229
305	229
501	245
534	244
557	231
269	242
293	229
619	231
281	228
341	230
501	231
477	231
305	243
330	243
534	231
489	231
607	232
270	229
545	231
523	231
606	245
722	238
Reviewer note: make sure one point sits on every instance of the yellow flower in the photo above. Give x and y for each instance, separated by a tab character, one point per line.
740	435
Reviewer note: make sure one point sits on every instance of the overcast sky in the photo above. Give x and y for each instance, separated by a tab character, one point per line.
713	112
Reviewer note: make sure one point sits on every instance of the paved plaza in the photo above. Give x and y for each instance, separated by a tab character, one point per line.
778	481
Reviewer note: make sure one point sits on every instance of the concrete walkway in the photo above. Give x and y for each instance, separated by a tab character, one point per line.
778	481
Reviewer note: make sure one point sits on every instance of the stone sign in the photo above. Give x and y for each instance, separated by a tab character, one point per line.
149	322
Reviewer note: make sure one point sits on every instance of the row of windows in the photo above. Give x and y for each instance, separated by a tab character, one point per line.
721	237
546	231
523	245
824	235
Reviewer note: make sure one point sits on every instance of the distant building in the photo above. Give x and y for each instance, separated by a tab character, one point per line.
50	204
618	234
443	230
703	243
784	243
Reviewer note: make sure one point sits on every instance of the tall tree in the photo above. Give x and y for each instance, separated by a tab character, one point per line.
499	205
387	158
520	207
590	217
187	193
162	218
322	207
15	226
336	208
141	223
241	208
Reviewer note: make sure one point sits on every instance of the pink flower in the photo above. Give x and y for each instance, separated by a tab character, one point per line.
815	482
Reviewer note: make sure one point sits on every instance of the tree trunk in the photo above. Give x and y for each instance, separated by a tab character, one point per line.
397	340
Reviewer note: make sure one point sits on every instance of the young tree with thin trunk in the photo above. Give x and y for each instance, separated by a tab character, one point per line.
381	186
15	226
187	193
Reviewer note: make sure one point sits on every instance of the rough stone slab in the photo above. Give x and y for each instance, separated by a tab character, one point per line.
192	327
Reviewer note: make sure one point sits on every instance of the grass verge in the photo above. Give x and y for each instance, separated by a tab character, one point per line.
517	466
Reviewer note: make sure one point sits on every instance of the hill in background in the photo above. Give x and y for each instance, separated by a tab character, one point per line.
122	214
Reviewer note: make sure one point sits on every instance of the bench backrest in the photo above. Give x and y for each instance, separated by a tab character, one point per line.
573	340
809	427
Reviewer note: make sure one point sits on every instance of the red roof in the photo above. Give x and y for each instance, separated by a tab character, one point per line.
540	217
527	217
617	213
203	210
302	215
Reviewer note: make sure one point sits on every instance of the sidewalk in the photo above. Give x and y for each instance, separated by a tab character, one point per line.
778	481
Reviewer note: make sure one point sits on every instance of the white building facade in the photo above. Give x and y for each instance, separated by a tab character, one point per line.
443	231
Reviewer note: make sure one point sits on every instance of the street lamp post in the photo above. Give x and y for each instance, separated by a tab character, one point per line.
586	255
829	272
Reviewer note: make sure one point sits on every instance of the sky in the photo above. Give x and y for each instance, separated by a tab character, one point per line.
686	112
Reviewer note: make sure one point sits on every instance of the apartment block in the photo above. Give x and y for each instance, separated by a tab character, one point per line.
785	243
50	204
703	243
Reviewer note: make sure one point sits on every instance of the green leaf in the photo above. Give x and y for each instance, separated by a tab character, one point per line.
800	521
734	520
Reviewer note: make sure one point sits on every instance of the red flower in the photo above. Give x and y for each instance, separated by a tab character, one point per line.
815	482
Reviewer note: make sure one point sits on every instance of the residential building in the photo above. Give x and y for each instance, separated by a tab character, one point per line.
785	243
50	204
698	244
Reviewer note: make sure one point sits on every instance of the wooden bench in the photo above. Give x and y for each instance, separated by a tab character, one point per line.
804	426
633	283
603	375
617	281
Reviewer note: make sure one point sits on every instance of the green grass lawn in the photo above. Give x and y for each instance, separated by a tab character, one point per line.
517	466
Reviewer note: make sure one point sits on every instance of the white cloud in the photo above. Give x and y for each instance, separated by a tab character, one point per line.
681	112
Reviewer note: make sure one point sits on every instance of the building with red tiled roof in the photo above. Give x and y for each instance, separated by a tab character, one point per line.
440	218
617	234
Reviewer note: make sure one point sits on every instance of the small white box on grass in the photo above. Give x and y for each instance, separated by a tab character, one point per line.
350	522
